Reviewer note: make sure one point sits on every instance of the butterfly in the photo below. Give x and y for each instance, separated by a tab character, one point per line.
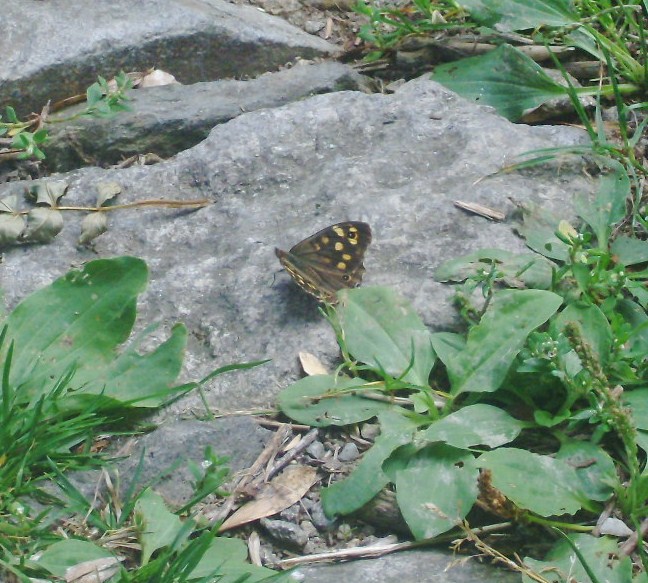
329	260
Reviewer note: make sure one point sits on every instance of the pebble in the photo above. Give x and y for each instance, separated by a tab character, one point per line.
320	520
308	527
349	452
285	532
313	26
316	450
291	513
370	431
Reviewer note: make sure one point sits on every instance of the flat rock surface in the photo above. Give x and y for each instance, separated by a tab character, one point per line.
278	175
197	40
424	566
166	120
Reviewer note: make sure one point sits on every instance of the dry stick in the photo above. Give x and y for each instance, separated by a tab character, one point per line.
142	203
377	550
268	451
274	424
293	453
630	545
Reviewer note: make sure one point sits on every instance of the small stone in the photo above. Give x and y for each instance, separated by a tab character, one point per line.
285	532
376	541
313	26
308	527
320	520
615	527
370	431
316	450
349	453
291	513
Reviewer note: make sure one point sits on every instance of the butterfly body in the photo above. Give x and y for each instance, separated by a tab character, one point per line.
329	260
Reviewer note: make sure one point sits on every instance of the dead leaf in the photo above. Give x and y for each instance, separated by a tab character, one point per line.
94	571
254	549
481	210
158	77
283	491
311	364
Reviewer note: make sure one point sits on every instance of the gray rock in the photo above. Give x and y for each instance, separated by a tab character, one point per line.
285	532
278	175
309	528
320	520
166	120
275	176
349	452
370	431
316	450
291	513
429	566
197	41
239	439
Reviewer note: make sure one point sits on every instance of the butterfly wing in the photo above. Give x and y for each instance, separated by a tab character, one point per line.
329	260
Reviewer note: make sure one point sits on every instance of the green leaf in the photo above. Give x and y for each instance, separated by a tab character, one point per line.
93	225
157	525
48	193
106	191
471	426
495	342
553	491
629	250
637	401
11	228
43	224
609	205
228	558
94	94
9	204
539	231
62	555
11	114
639	292
635	315
382	330
368	478
513	15
88	314
323	400
517	269
562	563
593	325
447	345
504	78
594	467
436	489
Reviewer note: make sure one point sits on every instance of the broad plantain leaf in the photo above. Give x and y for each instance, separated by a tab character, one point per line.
368	478
505	78
495	342
554	490
323	400
471	426
382	330
436	489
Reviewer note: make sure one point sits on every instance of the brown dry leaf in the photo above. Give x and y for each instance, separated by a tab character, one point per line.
283	491
94	571
311	364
